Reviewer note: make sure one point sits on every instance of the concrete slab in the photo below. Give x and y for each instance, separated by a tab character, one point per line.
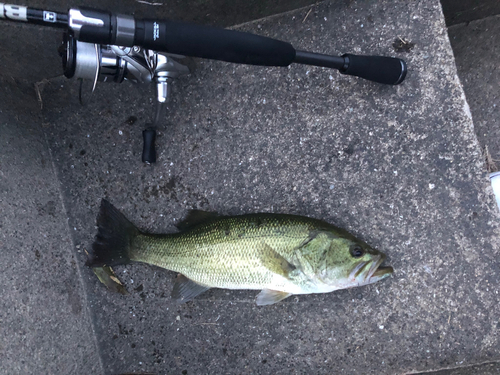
44	319
398	166
456	12
484	369
477	52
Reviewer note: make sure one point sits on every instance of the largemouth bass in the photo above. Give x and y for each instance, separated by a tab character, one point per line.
280	255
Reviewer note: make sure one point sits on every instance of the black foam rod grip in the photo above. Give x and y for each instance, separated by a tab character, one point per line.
148	150
388	70
212	43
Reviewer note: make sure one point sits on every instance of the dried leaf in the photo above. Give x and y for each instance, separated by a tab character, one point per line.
107	277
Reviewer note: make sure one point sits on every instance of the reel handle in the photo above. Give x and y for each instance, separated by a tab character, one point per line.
149	150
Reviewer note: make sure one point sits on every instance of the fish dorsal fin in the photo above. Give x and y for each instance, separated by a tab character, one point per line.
269	297
195	217
185	289
274	261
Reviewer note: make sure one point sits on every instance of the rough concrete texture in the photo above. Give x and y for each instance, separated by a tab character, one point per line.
44	319
36	60
477	52
485	369
398	166
456	12
41	43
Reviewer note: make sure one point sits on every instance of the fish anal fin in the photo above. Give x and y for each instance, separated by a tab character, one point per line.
269	297
185	289
275	262
195	217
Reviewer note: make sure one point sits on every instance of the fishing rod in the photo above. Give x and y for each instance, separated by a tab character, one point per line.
104	46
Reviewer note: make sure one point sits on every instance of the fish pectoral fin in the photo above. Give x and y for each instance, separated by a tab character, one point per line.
195	217
274	261
185	289
269	297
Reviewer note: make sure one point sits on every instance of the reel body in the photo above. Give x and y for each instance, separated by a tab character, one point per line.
111	63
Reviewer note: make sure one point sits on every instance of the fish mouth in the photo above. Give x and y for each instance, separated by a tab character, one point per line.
376	271
382	272
357	270
373	273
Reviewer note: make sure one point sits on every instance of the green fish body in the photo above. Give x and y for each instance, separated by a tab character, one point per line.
281	255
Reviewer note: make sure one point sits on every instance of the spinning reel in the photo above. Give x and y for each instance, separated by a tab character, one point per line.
111	63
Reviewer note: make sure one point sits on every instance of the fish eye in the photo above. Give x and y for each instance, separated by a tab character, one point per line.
357	251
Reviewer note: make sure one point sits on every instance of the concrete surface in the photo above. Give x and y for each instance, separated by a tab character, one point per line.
44	318
456	12
398	166
477	53
484	369
245	139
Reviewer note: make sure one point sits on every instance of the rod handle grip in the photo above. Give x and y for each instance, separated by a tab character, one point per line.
381	69
208	42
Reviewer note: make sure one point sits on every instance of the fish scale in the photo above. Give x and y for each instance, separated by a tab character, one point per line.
225	253
279	254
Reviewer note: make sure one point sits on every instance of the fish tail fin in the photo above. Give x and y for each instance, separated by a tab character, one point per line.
113	241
